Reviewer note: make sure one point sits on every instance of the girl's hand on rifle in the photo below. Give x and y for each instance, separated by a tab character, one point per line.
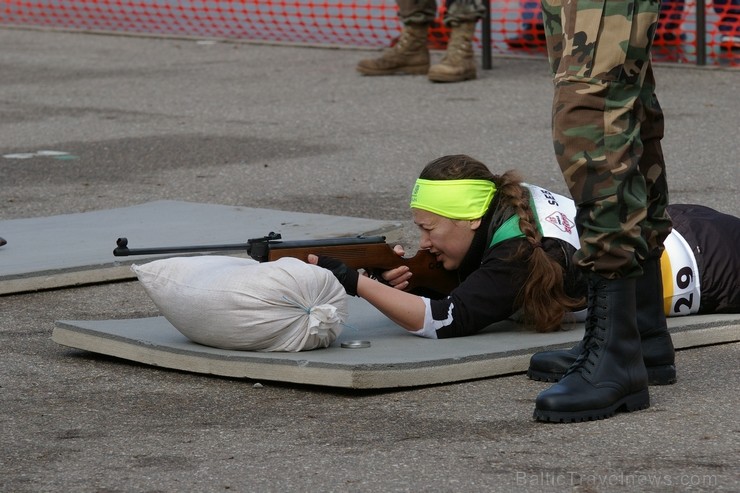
404	308
398	277
346	276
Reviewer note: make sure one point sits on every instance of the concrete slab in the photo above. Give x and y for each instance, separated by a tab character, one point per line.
74	249
394	358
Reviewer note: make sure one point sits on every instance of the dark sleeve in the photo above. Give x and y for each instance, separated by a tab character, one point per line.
714	238
574	280
486	296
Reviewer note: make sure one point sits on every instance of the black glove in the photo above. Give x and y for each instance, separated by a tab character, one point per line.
347	277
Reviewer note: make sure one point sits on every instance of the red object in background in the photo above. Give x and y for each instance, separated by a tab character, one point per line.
368	23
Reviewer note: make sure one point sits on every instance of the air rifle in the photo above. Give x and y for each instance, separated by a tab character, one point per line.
370	253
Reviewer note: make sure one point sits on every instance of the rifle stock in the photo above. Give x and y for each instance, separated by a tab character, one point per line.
372	254
378	257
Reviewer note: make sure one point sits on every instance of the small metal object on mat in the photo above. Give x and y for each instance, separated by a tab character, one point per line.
355	344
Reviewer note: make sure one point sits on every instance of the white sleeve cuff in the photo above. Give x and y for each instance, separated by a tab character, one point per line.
428	330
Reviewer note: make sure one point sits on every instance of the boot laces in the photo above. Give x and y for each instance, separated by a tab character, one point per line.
594	337
458	50
405	41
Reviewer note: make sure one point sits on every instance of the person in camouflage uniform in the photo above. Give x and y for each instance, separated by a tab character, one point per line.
410	54
607	126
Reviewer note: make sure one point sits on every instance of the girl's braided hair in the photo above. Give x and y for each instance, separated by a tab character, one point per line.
542	297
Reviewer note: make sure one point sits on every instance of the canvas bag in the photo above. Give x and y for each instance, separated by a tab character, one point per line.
238	303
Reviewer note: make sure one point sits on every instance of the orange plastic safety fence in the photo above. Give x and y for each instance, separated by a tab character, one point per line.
516	25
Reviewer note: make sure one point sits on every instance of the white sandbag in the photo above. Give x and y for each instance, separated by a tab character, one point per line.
238	303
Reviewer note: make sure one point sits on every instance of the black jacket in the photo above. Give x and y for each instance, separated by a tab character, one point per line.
491	278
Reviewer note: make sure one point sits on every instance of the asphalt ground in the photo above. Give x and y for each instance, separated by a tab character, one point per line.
289	128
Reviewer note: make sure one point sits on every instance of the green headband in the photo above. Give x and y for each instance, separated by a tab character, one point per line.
454	199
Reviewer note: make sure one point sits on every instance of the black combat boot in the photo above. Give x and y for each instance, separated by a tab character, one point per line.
657	346
609	375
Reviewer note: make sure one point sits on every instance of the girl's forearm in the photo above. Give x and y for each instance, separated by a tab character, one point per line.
405	309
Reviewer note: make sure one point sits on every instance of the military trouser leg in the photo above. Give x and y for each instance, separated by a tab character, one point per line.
657	224
463	11
607	126
425	11
417	11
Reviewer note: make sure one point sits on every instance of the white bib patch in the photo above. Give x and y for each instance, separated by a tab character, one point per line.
556	214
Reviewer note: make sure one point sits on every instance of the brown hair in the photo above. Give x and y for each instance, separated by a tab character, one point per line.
542	298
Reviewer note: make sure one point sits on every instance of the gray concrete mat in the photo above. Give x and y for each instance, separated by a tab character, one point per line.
73	249
394	358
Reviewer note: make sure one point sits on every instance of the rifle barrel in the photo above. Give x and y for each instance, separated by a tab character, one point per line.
122	250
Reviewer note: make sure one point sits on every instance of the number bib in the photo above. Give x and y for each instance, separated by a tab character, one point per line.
681	285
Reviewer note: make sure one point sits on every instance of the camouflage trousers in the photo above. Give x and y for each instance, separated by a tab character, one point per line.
607	126
425	11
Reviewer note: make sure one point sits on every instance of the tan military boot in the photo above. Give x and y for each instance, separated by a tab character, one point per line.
409	55
458	63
